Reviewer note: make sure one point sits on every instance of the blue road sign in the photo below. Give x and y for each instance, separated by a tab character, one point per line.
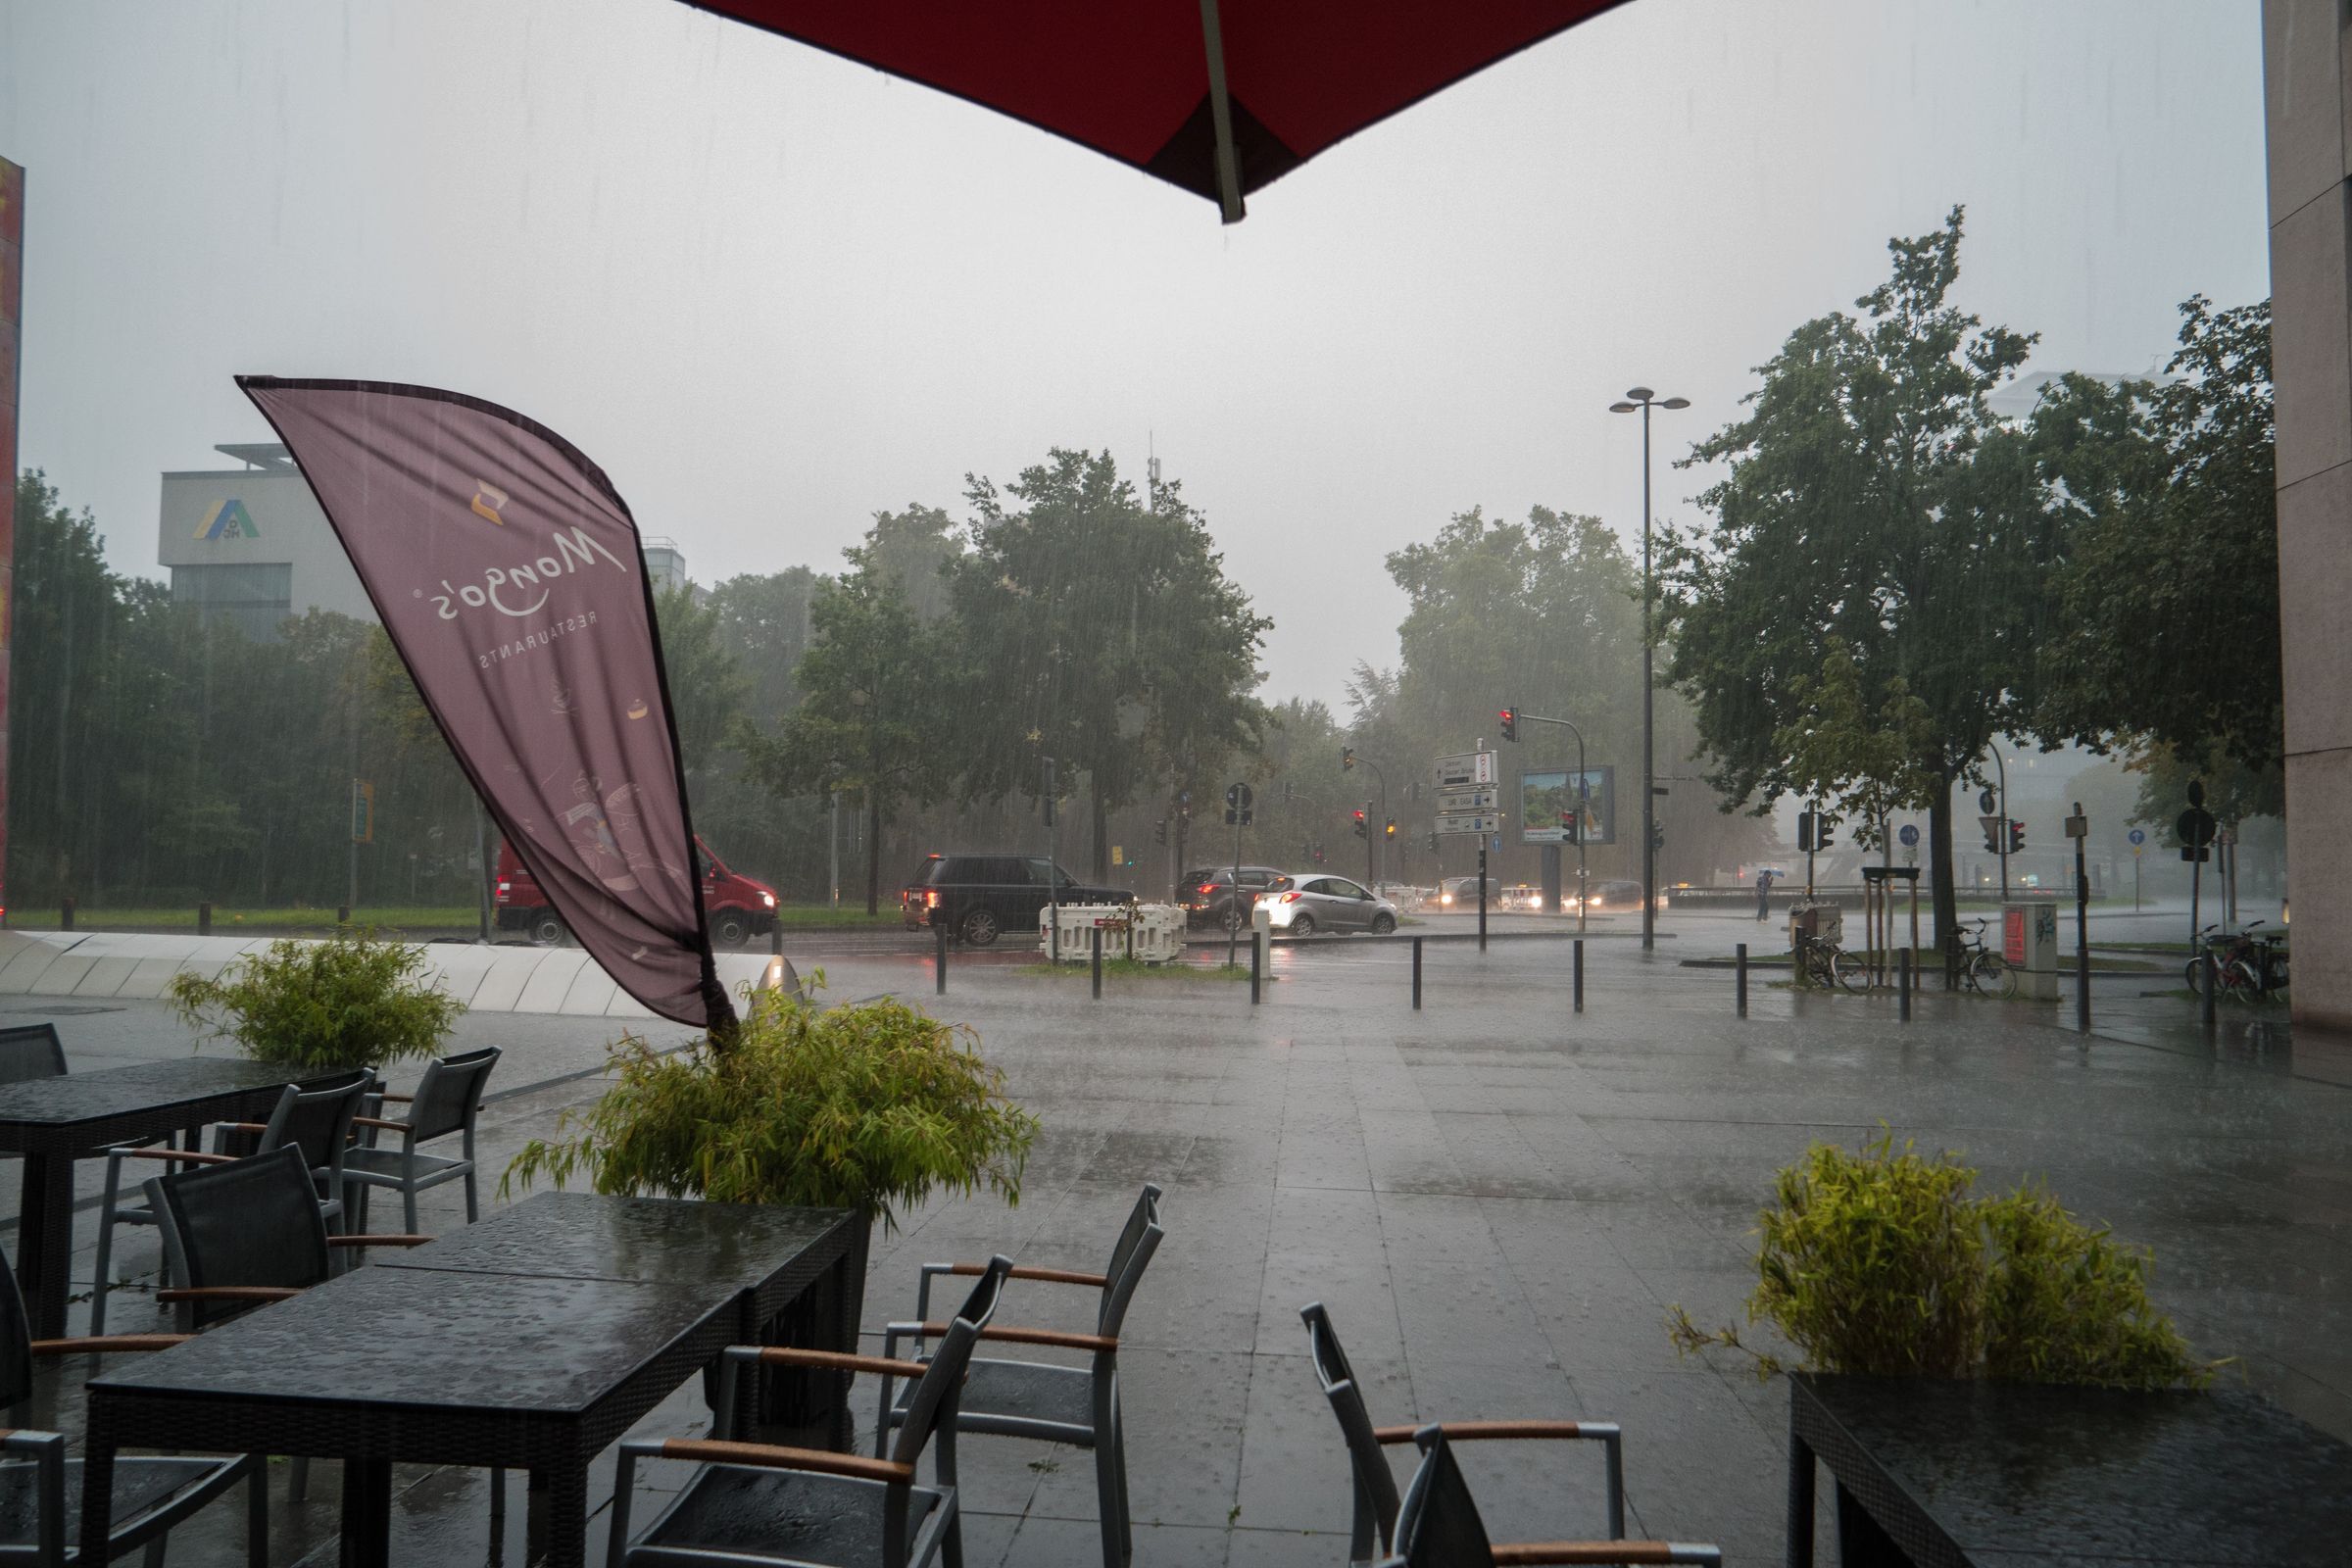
2139	837
1909	835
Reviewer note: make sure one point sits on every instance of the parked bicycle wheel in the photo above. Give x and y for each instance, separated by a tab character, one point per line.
1991	974
1847	970
2242	980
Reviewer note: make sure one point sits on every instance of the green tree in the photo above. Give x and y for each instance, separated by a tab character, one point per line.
2163	631
705	678
1100	632
1872	497
1867	766
873	711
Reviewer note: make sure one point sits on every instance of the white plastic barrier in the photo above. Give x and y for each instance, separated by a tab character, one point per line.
1158	933
1079	923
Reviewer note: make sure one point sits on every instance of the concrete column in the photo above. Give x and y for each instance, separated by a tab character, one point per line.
2306	89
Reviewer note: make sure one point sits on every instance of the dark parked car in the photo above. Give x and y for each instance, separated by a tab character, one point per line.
1618	893
1207	894
979	896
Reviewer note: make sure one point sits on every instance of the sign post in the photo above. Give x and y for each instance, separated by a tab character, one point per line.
2077	828
1238	798
2195	827
2138	838
1469	802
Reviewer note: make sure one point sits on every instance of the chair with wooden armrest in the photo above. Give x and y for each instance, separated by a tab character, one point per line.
448	1100
1073	1405
1438	1527
316	1119
40	1487
239	1233
756	1502
1376	1491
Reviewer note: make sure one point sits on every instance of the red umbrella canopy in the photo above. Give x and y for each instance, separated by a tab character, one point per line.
1217	96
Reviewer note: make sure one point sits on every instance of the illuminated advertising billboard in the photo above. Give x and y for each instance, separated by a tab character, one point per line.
1547	800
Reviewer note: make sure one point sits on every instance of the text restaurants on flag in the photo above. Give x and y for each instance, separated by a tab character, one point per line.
506	569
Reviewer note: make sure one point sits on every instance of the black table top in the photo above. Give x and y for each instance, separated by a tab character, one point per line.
589	1236
392	1340
111	1092
2018	1474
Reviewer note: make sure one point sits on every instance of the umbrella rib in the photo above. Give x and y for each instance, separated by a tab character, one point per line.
1221	111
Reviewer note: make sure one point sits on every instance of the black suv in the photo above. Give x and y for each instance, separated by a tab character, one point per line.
979	896
1207	894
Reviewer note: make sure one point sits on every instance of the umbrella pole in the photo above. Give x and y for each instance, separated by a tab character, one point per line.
1220	113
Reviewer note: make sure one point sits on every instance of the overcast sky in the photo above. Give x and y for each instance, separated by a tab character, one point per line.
771	292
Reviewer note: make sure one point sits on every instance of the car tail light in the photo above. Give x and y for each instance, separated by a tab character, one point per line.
1206	887
1290	898
931	899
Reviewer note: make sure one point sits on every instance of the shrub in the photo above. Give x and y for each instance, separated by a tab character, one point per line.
1882	1262
868	1106
352	1000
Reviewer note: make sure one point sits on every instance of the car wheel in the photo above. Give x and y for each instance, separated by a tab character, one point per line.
546	930
1382	924
1230	920
729	928
980	927
1302	926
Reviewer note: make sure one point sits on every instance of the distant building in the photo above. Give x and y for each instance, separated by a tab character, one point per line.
250	545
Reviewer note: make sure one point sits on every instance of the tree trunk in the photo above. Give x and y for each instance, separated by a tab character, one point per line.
873	850
1939	870
1102	827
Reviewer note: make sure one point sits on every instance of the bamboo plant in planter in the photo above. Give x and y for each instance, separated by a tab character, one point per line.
1887	1263
871	1107
353	1000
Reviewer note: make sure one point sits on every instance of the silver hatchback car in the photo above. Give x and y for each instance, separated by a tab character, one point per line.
1314	902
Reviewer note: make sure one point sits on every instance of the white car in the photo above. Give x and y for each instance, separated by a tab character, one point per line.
1316	903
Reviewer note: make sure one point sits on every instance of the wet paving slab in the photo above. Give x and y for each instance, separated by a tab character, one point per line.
1497	1198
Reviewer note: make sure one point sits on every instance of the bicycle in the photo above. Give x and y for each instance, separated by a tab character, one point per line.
1980	968
1829	966
2239	964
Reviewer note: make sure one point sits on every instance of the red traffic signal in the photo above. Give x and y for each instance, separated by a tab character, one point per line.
1359	824
2017	837
1510	723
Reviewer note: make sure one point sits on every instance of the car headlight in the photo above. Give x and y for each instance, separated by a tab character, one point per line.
769	899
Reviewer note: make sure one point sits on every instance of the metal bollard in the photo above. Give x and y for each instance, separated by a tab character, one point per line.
1097	963
203	919
940	968
775	939
1257	953
1903	987
1580	974
1416	974
2205	967
65	916
1740	971
342	915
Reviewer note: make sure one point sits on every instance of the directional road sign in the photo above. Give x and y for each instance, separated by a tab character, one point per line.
2137	836
1477	824
1470	800
1467	768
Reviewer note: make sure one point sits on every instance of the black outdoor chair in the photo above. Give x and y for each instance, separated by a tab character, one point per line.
244	1233
756	1503
1376	1495
40	1489
448	1100
1438	1527
30	1051
1073	1405
317	1120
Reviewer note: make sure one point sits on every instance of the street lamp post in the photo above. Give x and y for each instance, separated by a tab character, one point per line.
1643	399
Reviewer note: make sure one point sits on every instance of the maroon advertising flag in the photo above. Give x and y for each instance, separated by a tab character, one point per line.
506	569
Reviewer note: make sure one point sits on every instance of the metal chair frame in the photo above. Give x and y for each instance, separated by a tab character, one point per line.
1376	1494
1438	1527
1105	1431
886	1488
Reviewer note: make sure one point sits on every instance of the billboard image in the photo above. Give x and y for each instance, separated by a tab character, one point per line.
1543	797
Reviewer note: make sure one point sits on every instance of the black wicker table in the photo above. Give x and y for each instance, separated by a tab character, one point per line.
436	1366
776	1260
1943	1474
54	1121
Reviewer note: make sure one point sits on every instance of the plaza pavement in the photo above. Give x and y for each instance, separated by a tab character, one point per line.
1496	1197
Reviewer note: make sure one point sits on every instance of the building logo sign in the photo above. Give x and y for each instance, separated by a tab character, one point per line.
487	499
228	519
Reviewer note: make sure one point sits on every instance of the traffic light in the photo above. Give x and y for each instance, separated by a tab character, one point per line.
1318	853
1159	831
1657	838
1510	723
2017	837
1993	838
1433	841
1823	821
1392	830
1805	830
1346	758
1572	826
1359	824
